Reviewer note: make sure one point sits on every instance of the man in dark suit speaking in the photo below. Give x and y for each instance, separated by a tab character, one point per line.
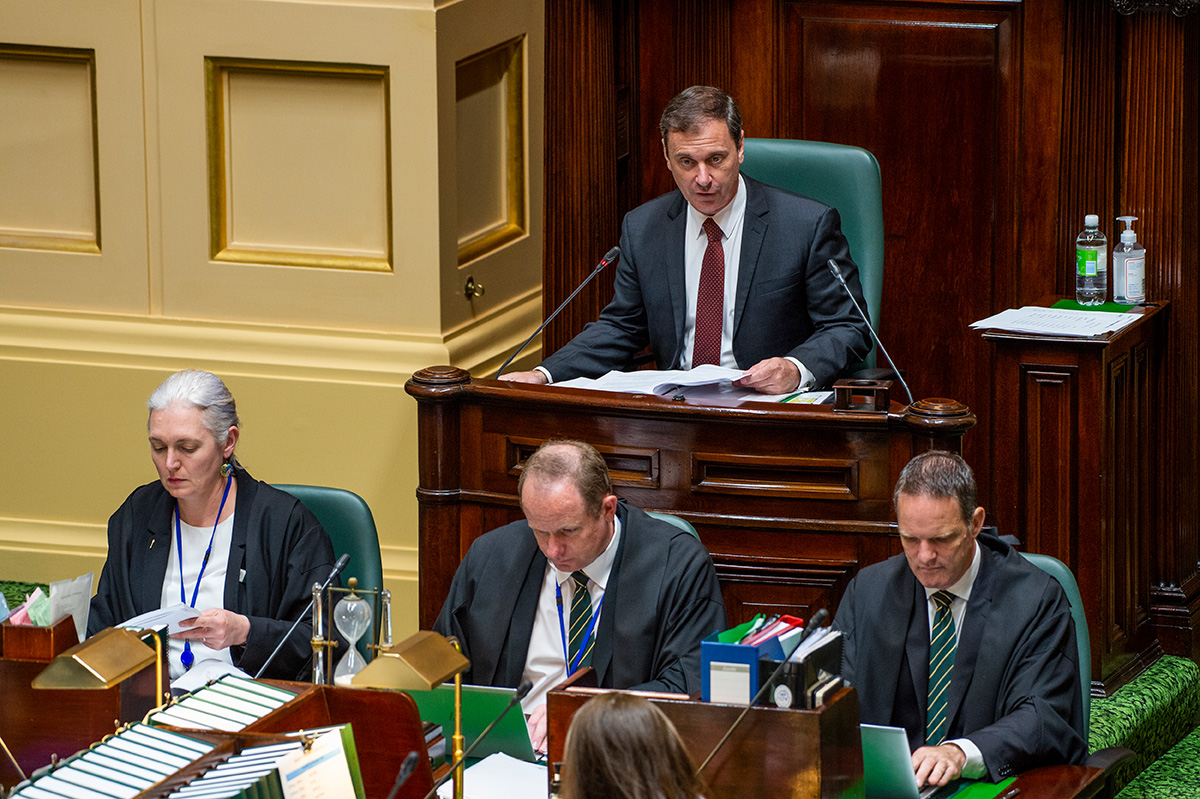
726	270
962	641
584	580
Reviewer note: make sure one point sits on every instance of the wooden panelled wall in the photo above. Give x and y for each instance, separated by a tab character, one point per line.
997	126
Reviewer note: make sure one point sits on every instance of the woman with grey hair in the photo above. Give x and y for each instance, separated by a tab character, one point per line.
207	535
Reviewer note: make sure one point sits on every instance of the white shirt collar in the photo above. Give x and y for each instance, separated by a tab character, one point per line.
727	218
599	569
962	588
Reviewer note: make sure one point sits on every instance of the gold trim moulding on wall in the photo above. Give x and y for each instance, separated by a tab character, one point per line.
500	68
342	219
67	241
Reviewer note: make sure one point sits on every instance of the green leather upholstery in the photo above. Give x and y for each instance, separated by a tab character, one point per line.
841	176
351	527
682	524
1059	571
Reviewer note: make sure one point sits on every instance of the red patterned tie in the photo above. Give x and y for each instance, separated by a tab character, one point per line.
710	299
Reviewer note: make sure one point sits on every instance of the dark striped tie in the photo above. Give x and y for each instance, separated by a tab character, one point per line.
581	614
941	663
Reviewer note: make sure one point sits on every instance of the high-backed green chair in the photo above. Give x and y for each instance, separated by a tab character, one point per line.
1108	759
841	176
682	524
351	527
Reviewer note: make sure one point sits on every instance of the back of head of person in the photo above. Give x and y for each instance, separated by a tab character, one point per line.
622	747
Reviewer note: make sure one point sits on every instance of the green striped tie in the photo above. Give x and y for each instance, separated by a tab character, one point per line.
581	614
941	662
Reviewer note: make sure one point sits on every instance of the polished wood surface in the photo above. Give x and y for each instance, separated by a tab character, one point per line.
790	500
800	754
1059	782
39	724
1080	419
997	127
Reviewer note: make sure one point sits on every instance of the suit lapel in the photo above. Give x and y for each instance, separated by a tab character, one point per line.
602	653
246	489
918	648
754	230
150	560
979	606
670	252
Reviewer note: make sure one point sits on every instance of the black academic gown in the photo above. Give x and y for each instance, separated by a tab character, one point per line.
1014	691
661	599
278	551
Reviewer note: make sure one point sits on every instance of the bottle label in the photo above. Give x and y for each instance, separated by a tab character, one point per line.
1085	262
1135	279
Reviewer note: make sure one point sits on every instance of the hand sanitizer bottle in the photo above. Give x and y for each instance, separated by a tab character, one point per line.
1129	266
1091	263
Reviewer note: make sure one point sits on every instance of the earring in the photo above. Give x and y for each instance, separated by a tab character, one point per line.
226	469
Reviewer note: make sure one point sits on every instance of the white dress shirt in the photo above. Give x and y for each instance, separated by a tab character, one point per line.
974	767
545	665
212	586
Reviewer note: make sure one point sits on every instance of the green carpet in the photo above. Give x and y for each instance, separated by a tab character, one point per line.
15	593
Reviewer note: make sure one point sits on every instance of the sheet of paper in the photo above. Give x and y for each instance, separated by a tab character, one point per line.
499	776
162	616
204	671
650	381
1057	321
74	597
323	772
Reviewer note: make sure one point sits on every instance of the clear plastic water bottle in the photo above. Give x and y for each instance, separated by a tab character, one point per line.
1091	263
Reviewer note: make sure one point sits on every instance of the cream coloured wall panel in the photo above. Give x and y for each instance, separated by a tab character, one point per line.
72	155
400	42
47	147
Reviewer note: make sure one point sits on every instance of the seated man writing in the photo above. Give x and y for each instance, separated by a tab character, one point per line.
961	641
725	271
584	580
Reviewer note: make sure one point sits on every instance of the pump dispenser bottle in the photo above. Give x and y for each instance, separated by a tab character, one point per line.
1129	266
1091	263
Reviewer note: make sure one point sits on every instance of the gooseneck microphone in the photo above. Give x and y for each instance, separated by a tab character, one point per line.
520	694
334	572
837	272
610	257
816	621
406	770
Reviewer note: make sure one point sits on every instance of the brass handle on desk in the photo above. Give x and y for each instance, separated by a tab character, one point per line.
472	289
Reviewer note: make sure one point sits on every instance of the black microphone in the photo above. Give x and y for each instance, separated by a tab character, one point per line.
837	272
406	770
337	569
610	257
816	621
520	694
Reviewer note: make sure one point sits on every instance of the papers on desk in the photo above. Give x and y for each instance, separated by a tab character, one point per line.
708	384
1057	321
160	617
499	776
74	597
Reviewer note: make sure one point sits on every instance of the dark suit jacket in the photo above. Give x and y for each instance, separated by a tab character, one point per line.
661	599
1014	691
787	303
277	542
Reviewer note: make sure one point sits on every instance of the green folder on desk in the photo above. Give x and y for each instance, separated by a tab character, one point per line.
481	705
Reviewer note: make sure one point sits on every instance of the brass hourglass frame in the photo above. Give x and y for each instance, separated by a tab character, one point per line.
323	643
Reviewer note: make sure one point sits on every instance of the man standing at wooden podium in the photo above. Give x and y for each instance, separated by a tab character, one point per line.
583	580
961	641
726	271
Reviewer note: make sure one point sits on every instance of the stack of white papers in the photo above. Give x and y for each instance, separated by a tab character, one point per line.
707	384
499	776
1057	321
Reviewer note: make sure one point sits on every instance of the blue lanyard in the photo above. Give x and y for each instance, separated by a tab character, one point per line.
188	658
562	628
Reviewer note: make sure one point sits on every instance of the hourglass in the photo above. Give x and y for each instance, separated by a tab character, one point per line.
352	616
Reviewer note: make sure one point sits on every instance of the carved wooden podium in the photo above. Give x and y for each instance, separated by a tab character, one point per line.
790	754
791	500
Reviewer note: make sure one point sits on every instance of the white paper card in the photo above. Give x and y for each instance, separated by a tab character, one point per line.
74	597
320	773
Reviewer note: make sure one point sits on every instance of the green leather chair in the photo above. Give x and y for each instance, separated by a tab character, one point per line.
682	524
351	527
841	176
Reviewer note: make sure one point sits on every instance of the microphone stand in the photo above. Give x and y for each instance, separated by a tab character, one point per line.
610	257
337	569
816	621
406	770
520	694
837	272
